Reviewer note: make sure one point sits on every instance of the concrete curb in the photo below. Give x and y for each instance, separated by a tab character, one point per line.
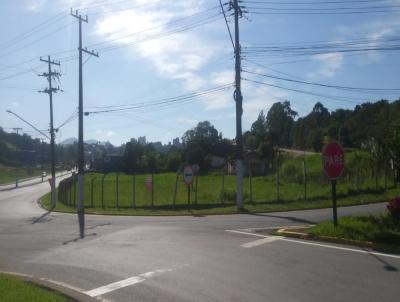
300	234
73	293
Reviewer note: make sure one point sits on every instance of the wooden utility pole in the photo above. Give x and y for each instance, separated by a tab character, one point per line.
239	110
16	157
50	90
81	155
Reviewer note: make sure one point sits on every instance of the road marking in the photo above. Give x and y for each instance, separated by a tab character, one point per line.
342	248
246	233
319	245
261	241
124	283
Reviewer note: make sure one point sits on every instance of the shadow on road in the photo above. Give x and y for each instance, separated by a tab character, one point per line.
42	218
387	266
78	238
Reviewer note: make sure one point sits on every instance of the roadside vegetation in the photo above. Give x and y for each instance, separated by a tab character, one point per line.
8	173
214	192
383	231
14	290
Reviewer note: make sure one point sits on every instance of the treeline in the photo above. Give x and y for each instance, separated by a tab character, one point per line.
23	150
374	127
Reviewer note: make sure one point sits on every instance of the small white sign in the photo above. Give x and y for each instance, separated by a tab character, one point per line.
188	175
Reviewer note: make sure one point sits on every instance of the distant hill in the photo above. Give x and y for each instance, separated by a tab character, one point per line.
73	140
69	141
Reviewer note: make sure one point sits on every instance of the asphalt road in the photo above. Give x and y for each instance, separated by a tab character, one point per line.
189	258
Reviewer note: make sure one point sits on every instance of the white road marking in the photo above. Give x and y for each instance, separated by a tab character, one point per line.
124	283
342	248
317	244
246	233
261	241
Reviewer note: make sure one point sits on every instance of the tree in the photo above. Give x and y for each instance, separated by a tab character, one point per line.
394	151
279	123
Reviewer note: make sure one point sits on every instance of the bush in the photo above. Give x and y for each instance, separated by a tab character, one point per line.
394	207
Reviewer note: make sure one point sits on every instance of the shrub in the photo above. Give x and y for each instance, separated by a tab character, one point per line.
394	207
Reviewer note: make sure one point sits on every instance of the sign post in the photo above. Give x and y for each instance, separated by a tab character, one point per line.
333	163
188	178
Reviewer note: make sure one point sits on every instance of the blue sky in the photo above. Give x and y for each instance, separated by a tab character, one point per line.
153	50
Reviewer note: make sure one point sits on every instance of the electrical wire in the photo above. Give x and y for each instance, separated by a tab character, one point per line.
161	102
395	90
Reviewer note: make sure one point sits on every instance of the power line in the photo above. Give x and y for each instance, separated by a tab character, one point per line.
334	98
323	85
314	2
227	25
160	102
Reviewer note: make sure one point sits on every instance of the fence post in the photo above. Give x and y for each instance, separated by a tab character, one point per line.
91	192
277	176
376	175
385	175
133	189
116	190
70	191
102	190
223	188
176	187
74	183
196	185
250	183
152	188
305	178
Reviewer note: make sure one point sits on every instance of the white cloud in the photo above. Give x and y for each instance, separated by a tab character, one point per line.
105	133
185	120
179	56
34	5
331	63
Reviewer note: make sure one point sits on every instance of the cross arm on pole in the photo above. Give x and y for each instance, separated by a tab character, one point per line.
92	53
78	16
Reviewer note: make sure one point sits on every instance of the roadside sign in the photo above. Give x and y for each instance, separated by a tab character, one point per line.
149	183
333	163
333	160
188	175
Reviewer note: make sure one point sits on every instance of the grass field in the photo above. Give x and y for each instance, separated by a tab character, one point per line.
15	290
380	230
7	174
226	208
215	192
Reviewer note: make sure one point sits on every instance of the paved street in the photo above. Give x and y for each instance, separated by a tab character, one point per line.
189	258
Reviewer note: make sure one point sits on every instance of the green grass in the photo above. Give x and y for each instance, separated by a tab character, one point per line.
227	208
215	193
15	290
381	230
7	173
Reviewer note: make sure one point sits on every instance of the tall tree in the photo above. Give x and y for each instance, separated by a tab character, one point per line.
279	123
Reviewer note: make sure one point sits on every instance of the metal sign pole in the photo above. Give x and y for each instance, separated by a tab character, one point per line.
334	206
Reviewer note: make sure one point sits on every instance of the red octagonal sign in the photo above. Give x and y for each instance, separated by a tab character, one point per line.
333	160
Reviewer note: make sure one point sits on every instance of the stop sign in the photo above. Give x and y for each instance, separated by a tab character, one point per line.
333	160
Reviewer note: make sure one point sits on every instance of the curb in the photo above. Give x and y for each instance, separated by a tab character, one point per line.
297	233
73	293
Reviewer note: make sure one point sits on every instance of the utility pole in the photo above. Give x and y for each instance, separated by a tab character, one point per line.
239	109
50	90
16	161
81	155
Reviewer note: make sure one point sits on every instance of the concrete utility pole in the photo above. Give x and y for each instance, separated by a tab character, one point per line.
16	152
239	110
50	75
81	155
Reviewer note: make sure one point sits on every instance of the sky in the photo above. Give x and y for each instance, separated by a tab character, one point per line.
164	66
